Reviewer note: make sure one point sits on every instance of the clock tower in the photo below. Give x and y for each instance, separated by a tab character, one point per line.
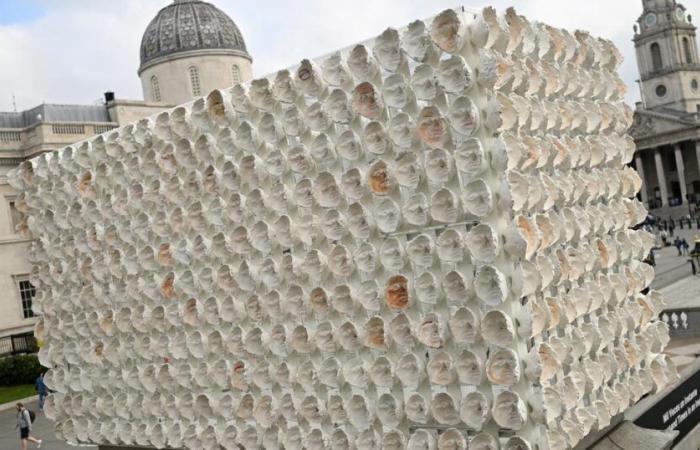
667	57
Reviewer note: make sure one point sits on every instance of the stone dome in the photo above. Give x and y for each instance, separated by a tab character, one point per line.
187	26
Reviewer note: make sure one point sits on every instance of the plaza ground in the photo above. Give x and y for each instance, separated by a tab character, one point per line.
42	429
670	267
681	290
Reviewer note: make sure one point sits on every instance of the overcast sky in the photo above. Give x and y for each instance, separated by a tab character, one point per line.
71	51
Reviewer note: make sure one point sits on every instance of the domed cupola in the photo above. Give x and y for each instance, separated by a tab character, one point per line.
189	26
189	48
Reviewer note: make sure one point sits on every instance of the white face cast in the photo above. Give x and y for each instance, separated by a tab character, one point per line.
387	50
503	368
396	92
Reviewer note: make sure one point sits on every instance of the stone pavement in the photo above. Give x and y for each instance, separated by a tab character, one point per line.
669	266
683	352
684	293
42	429
680	290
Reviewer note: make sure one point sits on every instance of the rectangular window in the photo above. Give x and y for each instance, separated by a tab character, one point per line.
15	217
27	292
194	82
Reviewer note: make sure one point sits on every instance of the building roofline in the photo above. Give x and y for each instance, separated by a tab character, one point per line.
54	112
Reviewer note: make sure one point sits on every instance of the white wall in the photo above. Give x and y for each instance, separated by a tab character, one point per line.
129	111
13	262
215	72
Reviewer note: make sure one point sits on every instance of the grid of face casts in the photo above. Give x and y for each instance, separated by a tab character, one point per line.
419	241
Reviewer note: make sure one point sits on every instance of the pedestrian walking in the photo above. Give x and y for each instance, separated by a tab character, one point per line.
685	246
664	237
41	389
24	423
677	244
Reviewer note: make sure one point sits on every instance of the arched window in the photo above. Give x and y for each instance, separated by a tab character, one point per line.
686	50
236	74
155	88
656	62
194	81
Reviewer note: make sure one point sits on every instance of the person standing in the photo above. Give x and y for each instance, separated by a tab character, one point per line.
24	423
41	389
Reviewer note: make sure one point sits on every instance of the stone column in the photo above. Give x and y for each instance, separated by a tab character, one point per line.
640	170
697	155
661	177
681	173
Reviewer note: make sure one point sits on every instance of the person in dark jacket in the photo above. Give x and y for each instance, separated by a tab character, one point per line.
41	389
24	423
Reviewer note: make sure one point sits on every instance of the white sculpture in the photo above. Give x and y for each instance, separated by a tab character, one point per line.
429	228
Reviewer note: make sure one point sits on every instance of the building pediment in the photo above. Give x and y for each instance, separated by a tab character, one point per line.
648	124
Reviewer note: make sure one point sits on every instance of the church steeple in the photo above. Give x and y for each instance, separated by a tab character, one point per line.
667	57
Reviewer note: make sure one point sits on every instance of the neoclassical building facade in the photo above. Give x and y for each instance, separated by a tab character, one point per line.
188	49
666	125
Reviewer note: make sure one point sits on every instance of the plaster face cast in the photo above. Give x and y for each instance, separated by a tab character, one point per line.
432	128
387	50
379	178
366	102
503	368
475	410
397	292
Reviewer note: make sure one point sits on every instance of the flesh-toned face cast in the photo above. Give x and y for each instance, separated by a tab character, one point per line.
397	292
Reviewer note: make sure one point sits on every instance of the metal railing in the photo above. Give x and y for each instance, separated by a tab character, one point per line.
682	322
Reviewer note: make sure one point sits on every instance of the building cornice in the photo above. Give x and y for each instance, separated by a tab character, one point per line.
39	124
121	102
685	67
640	37
15	240
194	53
691	133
